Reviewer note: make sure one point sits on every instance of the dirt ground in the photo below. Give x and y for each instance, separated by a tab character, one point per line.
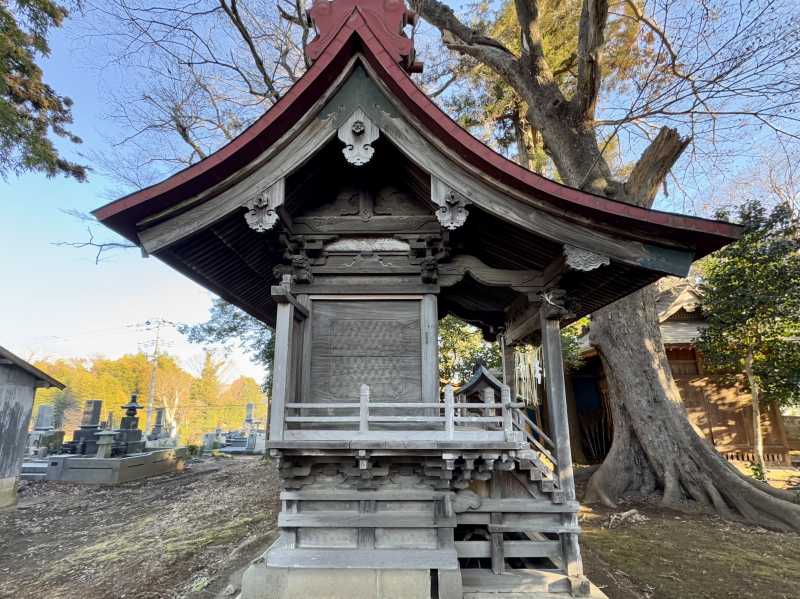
188	536
166	537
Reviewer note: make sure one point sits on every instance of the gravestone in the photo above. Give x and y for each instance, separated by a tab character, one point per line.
44	439
45	418
158	428
84	441
129	436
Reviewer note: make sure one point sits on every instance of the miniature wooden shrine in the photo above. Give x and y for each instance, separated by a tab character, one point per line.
351	217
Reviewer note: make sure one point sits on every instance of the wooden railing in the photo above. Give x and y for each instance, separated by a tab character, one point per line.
364	417
447	420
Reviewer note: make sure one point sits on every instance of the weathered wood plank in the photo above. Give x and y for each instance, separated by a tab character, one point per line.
345	519
344	495
479	549
523	505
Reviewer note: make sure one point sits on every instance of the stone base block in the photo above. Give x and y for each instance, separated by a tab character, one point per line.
8	492
112	471
266	582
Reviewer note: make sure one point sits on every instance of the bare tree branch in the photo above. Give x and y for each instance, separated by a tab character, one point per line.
101	247
466	40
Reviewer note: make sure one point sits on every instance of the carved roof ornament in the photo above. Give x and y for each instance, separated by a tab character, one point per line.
262	212
358	133
452	212
580	259
386	18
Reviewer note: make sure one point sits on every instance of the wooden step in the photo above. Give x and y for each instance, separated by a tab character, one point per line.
514	581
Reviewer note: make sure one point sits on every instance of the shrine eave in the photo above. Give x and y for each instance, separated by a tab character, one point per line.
356	38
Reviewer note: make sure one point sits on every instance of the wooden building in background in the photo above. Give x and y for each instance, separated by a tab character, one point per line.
718	407
18	383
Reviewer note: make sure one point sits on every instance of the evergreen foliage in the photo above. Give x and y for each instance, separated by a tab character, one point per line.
461	347
29	108
751	294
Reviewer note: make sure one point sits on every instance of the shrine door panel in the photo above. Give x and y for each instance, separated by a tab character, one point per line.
376	342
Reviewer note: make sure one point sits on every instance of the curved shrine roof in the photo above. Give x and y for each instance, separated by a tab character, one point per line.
356	35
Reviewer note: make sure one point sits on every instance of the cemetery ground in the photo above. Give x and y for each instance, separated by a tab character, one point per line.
191	535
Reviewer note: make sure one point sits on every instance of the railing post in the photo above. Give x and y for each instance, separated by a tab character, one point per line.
508	423
487	397
449	411
364	409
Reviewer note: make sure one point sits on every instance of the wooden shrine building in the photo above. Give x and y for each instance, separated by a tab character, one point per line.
351	217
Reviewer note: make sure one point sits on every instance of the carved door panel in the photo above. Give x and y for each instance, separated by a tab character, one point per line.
376	342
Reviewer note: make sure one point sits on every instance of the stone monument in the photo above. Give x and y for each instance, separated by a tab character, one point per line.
129	437
84	441
44	438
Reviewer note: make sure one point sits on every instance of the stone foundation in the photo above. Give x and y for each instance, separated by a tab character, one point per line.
261	581
8	492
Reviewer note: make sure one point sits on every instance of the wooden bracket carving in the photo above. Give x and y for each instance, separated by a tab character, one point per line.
262	212
580	259
555	305
453	271
452	212
358	133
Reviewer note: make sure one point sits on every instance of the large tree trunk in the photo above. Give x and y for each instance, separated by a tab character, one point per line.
654	445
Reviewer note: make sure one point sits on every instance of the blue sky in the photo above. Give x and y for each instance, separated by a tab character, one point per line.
54	301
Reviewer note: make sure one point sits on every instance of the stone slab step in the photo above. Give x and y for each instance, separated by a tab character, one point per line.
514	581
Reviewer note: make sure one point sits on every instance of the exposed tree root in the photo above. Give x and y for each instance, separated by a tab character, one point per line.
655	447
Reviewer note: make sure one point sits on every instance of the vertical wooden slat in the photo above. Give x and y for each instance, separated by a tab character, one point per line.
496	538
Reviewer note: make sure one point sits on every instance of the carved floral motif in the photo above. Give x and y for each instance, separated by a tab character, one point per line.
358	133
452	213
262	212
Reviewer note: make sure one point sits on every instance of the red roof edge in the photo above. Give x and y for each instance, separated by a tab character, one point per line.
355	34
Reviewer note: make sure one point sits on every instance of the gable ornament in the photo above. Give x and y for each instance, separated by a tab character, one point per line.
357	133
580	259
452	211
262	211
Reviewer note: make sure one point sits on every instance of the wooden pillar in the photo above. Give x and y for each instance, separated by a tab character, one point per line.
281	367
559	424
430	348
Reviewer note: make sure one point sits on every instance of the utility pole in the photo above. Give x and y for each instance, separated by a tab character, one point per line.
153	372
